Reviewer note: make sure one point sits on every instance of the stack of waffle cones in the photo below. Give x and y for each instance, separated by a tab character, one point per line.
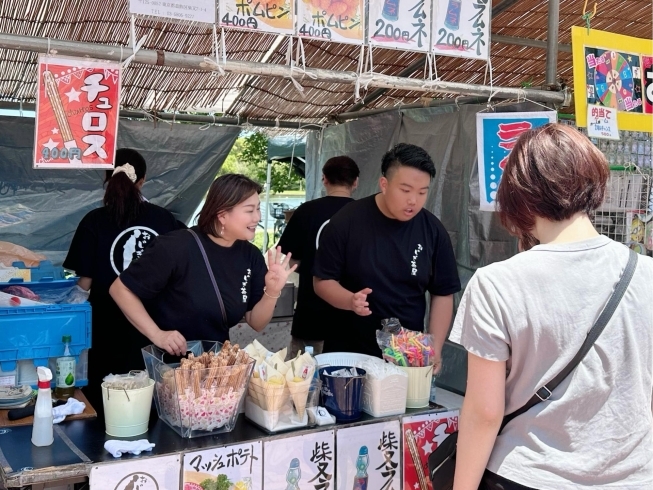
299	389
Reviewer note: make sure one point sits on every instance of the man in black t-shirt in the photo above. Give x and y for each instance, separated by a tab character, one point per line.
314	318
379	256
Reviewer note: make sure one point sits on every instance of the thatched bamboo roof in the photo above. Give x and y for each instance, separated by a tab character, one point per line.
172	89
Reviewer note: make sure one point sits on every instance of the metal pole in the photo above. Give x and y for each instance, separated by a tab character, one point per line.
194	62
268	182
531	43
346	116
552	43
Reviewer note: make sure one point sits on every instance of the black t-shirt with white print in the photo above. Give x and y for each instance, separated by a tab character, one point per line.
176	289
314	318
399	260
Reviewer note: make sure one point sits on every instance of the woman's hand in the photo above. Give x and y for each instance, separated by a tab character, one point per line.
278	271
172	342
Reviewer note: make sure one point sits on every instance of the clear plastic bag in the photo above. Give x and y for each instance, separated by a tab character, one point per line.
10	253
55	295
404	347
134	380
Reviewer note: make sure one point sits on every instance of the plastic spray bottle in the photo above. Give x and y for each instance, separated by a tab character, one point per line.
42	433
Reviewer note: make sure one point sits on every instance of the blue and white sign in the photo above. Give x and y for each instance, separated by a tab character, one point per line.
496	135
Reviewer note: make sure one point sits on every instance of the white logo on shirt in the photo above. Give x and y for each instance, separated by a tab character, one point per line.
243	289
317	238
413	263
129	246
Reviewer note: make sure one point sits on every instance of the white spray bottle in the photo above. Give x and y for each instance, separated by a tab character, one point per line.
42	432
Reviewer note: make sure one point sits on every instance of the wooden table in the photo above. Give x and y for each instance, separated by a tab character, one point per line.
89	412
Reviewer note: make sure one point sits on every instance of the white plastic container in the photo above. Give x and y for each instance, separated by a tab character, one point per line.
419	386
42	430
127	412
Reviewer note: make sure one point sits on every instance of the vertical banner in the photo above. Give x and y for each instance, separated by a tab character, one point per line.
273	16
340	21
461	28
613	71
400	24
422	434
496	135
77	108
368	457
180	10
142	473
238	467
305	462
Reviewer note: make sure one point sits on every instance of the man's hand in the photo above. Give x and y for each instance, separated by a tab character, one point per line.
359	304
172	342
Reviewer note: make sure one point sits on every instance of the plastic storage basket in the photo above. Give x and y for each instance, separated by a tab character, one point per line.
381	398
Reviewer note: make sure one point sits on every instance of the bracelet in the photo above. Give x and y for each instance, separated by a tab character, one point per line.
265	291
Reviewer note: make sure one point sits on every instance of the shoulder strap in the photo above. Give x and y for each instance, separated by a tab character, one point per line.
545	392
208	268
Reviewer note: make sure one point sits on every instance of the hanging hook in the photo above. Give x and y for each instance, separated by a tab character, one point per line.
587	16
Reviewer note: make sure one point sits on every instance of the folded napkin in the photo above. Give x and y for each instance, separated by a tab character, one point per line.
118	448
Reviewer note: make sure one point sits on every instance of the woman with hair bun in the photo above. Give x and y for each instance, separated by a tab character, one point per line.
107	241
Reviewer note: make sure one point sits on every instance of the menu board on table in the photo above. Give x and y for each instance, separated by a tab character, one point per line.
496	135
141	474
77	108
422	434
239	467
369	456
305	462
273	16
461	28
400	24
180	10
340	21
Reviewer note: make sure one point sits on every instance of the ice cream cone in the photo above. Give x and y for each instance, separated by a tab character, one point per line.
275	398
256	391
299	393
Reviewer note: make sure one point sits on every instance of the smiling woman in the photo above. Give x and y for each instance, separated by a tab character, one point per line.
197	285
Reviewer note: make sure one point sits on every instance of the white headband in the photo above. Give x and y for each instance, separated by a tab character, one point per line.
128	170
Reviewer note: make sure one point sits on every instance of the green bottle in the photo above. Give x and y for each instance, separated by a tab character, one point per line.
65	384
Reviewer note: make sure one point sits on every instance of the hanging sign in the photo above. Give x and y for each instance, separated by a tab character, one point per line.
142	473
496	135
613	71
400	24
273	16
77	108
461	28
305	462
340	21
602	122
422	434
369	456
180	10
238	467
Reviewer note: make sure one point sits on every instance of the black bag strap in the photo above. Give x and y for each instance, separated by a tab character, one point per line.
545	392
208	268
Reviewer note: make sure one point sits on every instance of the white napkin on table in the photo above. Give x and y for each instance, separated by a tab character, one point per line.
72	407
118	448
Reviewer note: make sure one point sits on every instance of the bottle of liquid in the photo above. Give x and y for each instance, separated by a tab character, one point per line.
363	461
42	433
65	384
309	351
293	475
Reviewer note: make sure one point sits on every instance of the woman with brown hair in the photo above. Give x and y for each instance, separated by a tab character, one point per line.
195	284
523	320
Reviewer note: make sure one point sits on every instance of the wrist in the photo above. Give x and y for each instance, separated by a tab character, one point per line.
271	293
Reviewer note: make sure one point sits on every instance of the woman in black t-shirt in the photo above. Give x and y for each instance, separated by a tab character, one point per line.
169	296
107	240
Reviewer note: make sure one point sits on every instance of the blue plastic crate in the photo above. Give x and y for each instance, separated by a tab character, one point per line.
44	272
35	332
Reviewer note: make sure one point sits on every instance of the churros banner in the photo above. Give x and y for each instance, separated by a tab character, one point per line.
613	71
341	21
496	135
422	434
77	108
400	24
273	16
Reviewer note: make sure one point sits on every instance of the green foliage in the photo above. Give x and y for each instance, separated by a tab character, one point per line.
220	483
249	156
